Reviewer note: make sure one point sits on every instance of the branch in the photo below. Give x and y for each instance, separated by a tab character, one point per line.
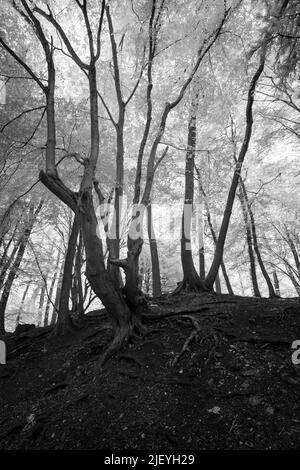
20	115
64	37
22	63
99	31
114	57
160	159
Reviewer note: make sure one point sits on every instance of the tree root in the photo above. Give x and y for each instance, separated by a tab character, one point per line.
187	342
173	314
196	286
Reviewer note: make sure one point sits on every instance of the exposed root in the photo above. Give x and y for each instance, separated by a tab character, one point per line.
176	313
195	286
188	340
123	335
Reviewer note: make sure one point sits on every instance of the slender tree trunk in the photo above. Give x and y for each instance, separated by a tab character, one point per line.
22	303
212	231
4	257
8	262
63	309
191	280
53	281
293	279
249	240
218	284
156	283
41	303
201	233
210	278
78	266
214	237
293	250
16	264
276	283
57	297
255	241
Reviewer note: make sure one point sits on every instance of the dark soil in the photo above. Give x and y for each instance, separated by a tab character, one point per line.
214	372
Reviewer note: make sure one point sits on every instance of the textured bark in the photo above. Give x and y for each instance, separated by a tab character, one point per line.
78	265
201	250
9	261
276	283
156	283
16	264
212	231
293	250
218	284
50	295
63	308
57	297
41	302
210	278
255	242
191	280
99	278
249	241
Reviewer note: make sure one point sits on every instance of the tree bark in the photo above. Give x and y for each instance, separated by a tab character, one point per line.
210	278
218	284
249	240
212	231
53	281
62	324
16	264
255	242
156	283
41	302
191	280
276	283
22	303
201	233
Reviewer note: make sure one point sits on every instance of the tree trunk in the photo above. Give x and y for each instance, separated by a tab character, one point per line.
53	281
255	242
100	280
191	280
276	283
210	278
293	250
218	284
212	231
22	304
41	303
8	262
5	257
201	233
156	283
249	240
77	292
57	297
63	309
78	278
16	264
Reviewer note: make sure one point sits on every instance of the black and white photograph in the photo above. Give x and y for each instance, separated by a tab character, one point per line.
150	228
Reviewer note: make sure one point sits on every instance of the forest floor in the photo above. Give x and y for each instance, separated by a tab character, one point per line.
211	372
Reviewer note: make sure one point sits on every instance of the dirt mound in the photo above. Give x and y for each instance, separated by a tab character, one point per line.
211	372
